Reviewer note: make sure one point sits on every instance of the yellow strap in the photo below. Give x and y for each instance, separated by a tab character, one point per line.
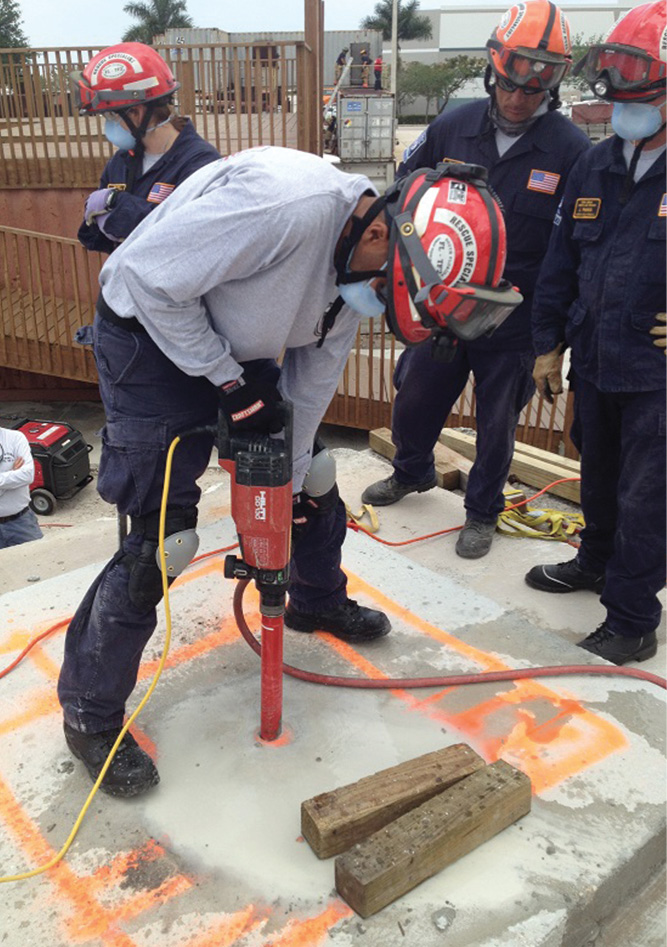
540	524
366	510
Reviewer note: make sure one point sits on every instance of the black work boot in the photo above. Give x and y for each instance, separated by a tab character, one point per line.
564	577
390	490
619	649
132	771
350	621
475	539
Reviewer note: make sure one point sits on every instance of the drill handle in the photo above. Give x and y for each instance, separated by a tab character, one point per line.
230	443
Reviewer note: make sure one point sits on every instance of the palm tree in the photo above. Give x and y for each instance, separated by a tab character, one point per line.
410	24
155	17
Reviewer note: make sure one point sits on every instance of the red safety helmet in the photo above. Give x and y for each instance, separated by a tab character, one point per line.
121	76
447	253
631	64
531	46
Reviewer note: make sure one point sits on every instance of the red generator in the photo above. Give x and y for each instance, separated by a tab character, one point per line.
62	467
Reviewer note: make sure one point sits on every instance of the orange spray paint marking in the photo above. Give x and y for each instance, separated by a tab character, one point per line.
286	737
227	932
311	932
114	871
567	742
95	920
40	703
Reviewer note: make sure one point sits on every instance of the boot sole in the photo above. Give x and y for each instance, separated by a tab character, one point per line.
124	792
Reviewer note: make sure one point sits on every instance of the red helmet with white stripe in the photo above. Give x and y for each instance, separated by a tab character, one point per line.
446	255
631	64
121	76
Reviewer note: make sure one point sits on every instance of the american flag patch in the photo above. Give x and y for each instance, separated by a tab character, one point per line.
662	210
158	193
545	181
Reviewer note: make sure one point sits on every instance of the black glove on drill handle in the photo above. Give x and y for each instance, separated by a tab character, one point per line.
251	406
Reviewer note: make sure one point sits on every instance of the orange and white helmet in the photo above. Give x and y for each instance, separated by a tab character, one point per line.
447	254
631	64
531	47
121	76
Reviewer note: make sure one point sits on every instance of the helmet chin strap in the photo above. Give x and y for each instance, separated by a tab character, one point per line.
349	243
138	132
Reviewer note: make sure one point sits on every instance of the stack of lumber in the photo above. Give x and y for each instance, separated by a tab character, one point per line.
394	829
456	451
530	464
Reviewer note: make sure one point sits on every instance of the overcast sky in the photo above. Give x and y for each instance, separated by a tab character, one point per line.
81	23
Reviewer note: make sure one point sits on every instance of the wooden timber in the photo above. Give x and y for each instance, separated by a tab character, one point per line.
333	821
420	843
536	467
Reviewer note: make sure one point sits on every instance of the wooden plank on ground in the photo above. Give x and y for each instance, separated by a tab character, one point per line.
420	843
569	463
446	473
333	821
538	472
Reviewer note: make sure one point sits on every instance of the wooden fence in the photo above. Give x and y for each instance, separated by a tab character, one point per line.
237	95
48	288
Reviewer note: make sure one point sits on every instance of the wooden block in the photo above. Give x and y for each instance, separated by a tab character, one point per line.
537	471
420	843
333	821
446	473
548	457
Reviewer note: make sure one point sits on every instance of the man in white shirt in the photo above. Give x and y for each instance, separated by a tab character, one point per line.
18	524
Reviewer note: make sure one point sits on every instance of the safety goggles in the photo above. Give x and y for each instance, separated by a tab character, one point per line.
522	70
470	311
508	86
623	67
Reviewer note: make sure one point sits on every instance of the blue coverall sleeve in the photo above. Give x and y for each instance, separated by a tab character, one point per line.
90	235
557	285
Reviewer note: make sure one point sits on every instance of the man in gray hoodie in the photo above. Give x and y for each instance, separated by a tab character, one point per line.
233	271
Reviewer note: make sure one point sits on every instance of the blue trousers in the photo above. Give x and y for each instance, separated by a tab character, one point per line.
621	437
23	529
147	402
426	393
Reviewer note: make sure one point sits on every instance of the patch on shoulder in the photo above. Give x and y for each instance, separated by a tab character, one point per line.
417	143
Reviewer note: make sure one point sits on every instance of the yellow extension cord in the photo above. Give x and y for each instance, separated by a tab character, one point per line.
156	677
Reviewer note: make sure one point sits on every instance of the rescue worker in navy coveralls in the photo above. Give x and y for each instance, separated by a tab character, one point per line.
156	149
602	293
528	148
183	330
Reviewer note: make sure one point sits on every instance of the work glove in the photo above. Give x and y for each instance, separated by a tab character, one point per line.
548	373
96	210
660	331
251	406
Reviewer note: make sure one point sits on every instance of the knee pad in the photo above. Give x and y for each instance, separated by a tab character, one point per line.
181	542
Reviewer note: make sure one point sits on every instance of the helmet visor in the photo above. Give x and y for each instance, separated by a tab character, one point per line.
467	310
475	311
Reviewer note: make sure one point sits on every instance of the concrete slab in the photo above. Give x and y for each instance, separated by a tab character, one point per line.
213	856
